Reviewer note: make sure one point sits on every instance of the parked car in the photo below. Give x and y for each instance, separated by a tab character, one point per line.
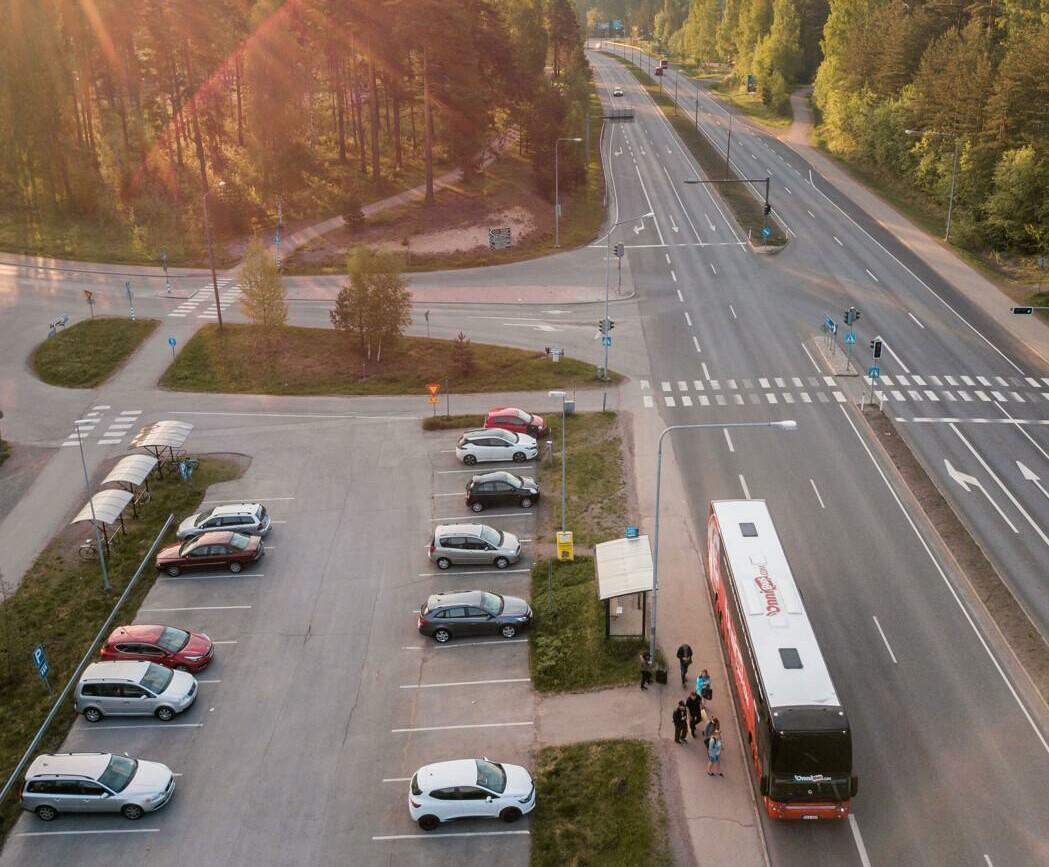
473	612
133	689
500	489
617	91
517	420
236	517
469	788
165	645
95	783
210	550
470	544
494	444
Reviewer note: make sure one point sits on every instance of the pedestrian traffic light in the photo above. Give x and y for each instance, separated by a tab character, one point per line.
876	347
619	249
605	325
601	326
767	209
1023	311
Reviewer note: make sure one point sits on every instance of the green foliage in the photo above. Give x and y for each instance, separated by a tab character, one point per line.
462	356
86	354
352	212
263	298
375	305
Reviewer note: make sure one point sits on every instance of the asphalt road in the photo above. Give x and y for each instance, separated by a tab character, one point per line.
942	738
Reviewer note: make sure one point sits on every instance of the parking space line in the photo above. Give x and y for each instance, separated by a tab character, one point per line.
248	500
396	779
465	683
224	642
73	833
490	515
205	577
493	467
411	647
208	681
458	727
475	572
156	725
436	836
199	608
481	643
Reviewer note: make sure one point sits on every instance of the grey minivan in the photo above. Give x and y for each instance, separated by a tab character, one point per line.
133	689
472	544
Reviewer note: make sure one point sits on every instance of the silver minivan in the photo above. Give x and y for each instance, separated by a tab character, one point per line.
473	544
133	689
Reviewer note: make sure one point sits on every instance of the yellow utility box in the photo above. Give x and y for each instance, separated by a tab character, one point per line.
565	547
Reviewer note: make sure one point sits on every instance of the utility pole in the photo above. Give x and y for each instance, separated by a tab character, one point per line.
280	223
91	504
728	150
211	254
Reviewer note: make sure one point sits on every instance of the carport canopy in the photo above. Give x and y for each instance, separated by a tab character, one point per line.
131	470
163	435
624	566
107	506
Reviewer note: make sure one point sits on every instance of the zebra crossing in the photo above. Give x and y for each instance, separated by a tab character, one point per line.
92	423
229	294
824	389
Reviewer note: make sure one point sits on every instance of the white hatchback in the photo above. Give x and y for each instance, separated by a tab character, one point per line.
467	789
495	444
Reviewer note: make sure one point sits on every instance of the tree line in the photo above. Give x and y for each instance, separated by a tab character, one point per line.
918	90
126	113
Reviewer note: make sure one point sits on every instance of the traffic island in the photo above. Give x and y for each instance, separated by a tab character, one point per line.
453	422
599	802
86	354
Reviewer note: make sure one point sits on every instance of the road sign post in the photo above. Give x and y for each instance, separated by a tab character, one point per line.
89	296
42	665
433	388
171	343
130	298
167	281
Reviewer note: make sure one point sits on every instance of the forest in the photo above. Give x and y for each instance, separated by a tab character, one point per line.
912	91
116	117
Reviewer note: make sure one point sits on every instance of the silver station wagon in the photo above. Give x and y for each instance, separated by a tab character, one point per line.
133	689
473	544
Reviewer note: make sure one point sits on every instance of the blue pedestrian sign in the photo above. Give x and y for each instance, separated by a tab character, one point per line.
40	661
606	339
850	336
171	342
765	231
873	372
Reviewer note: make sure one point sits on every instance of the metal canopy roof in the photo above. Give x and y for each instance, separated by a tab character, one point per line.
163	434
624	566
131	470
108	505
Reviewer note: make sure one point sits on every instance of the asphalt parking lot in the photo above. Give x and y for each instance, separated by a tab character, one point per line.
323	697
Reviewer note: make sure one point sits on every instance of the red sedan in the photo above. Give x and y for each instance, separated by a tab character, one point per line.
517	420
166	645
211	550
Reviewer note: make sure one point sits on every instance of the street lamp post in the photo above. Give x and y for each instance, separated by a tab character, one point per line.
557	191
608	255
954	170
728	146
788	424
211	253
91	505
564	457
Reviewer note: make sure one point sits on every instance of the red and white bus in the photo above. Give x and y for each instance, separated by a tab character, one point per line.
796	728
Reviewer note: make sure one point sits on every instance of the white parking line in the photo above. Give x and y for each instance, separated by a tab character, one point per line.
728	439
456	728
74	833
224	642
474	572
743	483
465	683
250	499
396	779
200	608
156	725
488	515
205	577
817	493
695	342
881	632
437	836
482	643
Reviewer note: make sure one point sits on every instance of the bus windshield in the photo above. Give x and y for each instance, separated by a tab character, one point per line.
810	755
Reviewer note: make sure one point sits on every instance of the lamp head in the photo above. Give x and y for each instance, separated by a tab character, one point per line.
787	424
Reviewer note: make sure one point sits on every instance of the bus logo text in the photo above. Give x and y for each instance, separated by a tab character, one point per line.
768	589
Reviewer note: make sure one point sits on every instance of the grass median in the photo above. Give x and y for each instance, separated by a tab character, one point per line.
453	422
241	359
61	605
599	803
87	354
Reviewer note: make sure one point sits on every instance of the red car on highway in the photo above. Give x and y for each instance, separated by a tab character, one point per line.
517	420
165	645
211	550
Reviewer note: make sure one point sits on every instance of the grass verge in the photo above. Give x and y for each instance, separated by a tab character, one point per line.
599	803
242	359
60	603
87	353
452	422
5	451
744	206
752	106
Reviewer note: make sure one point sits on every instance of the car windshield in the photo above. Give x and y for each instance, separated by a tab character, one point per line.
157	678
118	773
491	776
188	546
202	517
262	513
491	603
526	417
509	436
172	639
239	540
491	536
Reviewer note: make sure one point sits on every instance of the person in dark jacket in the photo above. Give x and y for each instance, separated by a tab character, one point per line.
694	706
684	659
713	725
646	669
680	724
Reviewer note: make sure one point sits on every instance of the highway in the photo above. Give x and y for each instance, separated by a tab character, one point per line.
951	760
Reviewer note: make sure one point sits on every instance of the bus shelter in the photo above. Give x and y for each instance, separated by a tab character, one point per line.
161	439
132	474
624	580
104	510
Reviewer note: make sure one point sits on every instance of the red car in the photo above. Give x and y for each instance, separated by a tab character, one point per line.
209	550
165	645
517	420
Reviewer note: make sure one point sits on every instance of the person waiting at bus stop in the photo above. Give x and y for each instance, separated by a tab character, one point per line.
703	685
714	754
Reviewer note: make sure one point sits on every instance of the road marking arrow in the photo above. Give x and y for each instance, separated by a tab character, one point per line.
639	229
619	153
709	223
1030	476
968	482
536	327
673	225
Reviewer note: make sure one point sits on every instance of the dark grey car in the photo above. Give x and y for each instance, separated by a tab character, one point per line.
463	613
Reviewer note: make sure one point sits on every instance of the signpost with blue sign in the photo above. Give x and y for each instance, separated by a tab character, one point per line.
606	339
42	665
171	343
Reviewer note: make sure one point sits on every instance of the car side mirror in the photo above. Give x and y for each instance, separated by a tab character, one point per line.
489	799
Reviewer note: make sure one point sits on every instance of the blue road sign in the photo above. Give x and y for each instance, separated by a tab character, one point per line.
850	336
830	325
171	342
606	339
765	231
40	661
632	532
873	372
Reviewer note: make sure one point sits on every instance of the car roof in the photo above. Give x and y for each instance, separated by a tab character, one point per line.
504	410
236	509
486	432
459	772
135	632
116	670
497	476
77	764
453	597
213	537
454	529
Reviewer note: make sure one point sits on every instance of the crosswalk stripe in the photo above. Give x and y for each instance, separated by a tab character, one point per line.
932	395
669	399
764	383
749	384
797	381
648	401
665	386
898	395
1031	381
771	398
732	384
805	397
951	380
968	380
917	379
822	397
1001	380
720	398
682	385
997	395
715	385
839	397
964	395
983	380
935	380
698	384
779	382
983	397
914	395
949	396
788	397
738	398
886	380
704	400
686	400
644	385
829	380
1016	397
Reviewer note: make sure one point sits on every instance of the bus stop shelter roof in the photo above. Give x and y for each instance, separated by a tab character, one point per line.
131	470
163	434
624	566
107	504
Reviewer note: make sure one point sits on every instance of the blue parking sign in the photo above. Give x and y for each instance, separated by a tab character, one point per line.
40	661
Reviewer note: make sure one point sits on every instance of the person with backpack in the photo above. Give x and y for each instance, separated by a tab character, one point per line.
708	730
714	754
703	685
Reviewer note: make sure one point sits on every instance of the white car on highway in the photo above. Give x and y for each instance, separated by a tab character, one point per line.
495	444
617	92
469	788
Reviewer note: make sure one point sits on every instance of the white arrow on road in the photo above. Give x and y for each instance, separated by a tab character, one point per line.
709	223
1030	476
536	327
967	482
673	225
619	153
639	229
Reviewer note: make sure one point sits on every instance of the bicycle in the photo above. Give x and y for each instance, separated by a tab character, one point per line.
88	551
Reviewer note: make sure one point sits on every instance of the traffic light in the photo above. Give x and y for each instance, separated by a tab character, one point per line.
618	250
852	315
876	345
767	209
611	324
1023	311
605	325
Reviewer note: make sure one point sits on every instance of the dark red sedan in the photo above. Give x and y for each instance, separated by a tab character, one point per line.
165	645
517	420
211	550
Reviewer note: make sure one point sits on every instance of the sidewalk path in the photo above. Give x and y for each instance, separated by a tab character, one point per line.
950	267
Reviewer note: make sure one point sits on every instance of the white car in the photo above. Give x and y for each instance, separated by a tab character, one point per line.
495	444
469	788
617	92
